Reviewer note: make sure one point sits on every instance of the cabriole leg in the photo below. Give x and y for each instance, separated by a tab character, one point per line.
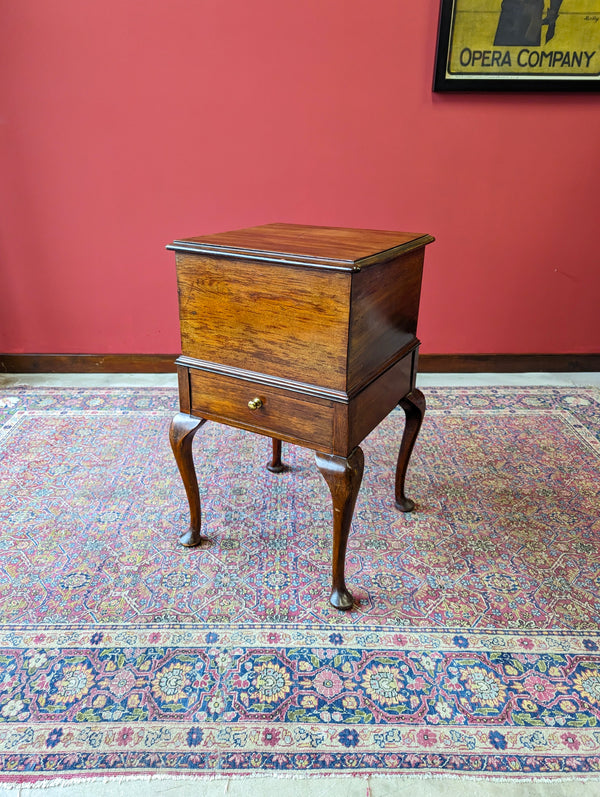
343	477
414	407
276	465
181	435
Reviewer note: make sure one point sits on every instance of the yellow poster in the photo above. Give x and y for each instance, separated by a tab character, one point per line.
517	39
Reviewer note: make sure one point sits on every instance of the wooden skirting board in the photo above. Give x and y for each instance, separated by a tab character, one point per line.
165	363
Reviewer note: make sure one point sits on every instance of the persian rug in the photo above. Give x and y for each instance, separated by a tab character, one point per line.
473	648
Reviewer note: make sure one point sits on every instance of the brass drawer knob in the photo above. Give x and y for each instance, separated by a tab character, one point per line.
255	403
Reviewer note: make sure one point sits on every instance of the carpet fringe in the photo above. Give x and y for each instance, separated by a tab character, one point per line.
227	779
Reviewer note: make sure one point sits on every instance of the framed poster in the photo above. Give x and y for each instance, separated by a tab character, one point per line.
518	45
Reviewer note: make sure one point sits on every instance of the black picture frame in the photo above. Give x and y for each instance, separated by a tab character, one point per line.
519	65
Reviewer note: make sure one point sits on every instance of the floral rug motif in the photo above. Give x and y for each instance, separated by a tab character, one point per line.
473	648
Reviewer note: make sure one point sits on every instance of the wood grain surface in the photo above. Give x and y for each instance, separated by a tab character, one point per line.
284	320
323	247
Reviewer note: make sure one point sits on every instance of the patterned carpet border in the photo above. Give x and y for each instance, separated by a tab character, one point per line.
361	694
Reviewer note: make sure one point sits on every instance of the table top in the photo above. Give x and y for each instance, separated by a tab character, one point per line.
322	247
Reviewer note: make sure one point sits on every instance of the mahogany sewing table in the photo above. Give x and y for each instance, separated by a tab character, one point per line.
306	335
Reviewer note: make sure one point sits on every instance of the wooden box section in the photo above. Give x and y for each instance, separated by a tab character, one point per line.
320	321
265	317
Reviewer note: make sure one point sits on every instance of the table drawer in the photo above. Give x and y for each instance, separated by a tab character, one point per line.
281	413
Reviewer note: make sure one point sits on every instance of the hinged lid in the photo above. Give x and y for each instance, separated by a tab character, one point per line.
321	247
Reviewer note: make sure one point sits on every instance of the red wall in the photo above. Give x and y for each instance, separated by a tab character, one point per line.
127	123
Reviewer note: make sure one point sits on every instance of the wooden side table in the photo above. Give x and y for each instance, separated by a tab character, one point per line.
302	334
